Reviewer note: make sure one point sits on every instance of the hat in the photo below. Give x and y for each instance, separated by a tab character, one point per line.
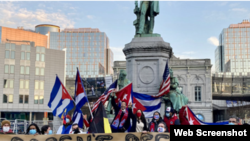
169	109
74	124
4	122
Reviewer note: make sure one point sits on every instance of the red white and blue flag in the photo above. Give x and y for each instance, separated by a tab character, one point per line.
144	102
165	85
80	99
60	99
80	94
104	97
187	114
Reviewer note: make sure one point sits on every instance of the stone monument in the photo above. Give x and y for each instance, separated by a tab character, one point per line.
147	53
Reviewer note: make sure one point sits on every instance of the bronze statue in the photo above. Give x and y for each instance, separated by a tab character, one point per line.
175	96
122	82
147	9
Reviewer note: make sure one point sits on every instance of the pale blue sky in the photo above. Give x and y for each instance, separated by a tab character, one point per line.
191	28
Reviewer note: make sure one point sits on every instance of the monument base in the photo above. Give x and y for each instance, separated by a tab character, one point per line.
146	59
148	35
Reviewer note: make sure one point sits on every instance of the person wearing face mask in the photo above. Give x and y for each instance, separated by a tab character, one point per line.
153	125
232	121
170	118
46	130
121	122
6	127
33	130
75	129
161	127
65	128
141	124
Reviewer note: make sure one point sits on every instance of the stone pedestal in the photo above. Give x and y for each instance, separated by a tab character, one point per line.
146	59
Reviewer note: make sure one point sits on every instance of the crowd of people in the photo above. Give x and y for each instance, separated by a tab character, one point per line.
121	123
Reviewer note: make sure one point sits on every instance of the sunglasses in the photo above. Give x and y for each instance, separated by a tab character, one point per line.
232	121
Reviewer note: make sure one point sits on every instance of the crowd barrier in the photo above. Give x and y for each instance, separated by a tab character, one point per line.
90	137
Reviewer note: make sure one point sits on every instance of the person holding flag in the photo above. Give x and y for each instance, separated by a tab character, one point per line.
61	103
80	100
121	122
66	128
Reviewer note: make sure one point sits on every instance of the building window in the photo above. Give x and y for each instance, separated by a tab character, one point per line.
24	84
27	56
37	71
41	100
42	71
6	68
197	93
36	100
20	98
39	85
7	54
8	83
7	98
10	51
27	70
9	69
37	57
12	68
24	99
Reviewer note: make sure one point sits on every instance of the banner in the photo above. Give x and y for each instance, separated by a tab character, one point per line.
108	81
90	137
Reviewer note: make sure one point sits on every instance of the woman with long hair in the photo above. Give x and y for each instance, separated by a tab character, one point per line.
33	129
141	124
46	130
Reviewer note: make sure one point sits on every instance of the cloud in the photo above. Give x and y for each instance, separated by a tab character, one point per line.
223	3
234	4
239	10
185	55
13	16
41	5
90	16
118	53
213	40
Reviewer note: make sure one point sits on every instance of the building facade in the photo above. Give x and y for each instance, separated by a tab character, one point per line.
234	43
27	76
88	49
195	81
46	28
16	35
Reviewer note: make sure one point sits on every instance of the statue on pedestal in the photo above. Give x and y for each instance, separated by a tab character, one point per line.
122	82
147	9
175	96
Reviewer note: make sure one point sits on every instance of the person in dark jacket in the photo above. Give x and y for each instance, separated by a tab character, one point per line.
121	122
153	125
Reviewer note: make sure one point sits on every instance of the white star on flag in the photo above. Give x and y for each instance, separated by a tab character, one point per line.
125	97
191	121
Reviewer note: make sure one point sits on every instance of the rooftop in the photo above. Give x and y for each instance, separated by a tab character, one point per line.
243	24
81	30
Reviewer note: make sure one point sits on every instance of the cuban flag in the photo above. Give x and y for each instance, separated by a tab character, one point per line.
104	97
193	119
60	99
144	102
78	118
165	85
80	95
